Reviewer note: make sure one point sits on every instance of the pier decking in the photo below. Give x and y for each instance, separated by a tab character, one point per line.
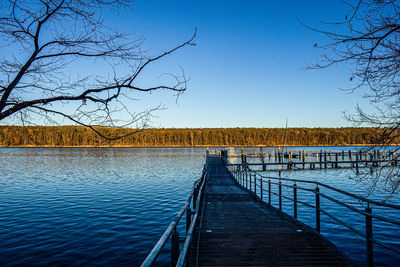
239	230
231	220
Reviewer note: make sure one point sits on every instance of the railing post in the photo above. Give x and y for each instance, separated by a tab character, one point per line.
368	236
261	189
236	176
269	191
188	218
250	181
357	158
255	184
246	180
174	247
280	195
195	194
317	210
188	223
295	200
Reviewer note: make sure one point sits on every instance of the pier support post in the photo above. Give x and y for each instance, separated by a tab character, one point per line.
394	159
261	189
336	159
351	159
357	162
320	160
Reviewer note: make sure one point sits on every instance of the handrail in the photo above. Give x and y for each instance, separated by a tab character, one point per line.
248	179
182	256
155	252
370	201
152	256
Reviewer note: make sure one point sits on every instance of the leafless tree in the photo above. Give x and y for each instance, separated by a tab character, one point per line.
44	41
368	40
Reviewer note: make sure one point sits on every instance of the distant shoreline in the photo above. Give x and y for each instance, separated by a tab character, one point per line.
81	137
199	146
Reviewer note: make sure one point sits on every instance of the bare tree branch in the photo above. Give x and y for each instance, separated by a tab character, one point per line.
50	37
369	41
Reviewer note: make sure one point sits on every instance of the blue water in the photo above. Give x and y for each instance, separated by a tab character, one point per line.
110	206
90	206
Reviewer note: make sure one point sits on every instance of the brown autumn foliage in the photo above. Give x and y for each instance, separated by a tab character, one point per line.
75	136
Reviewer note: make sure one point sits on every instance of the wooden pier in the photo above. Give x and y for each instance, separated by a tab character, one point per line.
314	160
231	220
237	229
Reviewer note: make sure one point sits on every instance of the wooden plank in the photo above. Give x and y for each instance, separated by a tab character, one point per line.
239	230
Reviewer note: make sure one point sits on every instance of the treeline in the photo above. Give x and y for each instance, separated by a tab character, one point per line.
61	136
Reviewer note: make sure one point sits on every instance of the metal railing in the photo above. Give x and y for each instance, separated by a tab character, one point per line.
262	185
180	256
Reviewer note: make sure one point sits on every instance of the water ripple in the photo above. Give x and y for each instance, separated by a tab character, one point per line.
109	206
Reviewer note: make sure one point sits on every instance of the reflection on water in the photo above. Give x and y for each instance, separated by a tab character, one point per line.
110	206
80	206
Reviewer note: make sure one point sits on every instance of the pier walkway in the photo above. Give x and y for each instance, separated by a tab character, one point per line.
237	229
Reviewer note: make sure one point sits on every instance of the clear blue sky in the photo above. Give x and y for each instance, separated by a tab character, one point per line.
246	69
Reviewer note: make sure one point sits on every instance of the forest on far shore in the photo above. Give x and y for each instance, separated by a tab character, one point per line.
78	136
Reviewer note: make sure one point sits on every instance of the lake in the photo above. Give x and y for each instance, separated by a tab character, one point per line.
103	206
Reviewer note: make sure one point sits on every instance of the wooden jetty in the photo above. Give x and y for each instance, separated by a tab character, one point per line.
316	160
239	230
231	221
